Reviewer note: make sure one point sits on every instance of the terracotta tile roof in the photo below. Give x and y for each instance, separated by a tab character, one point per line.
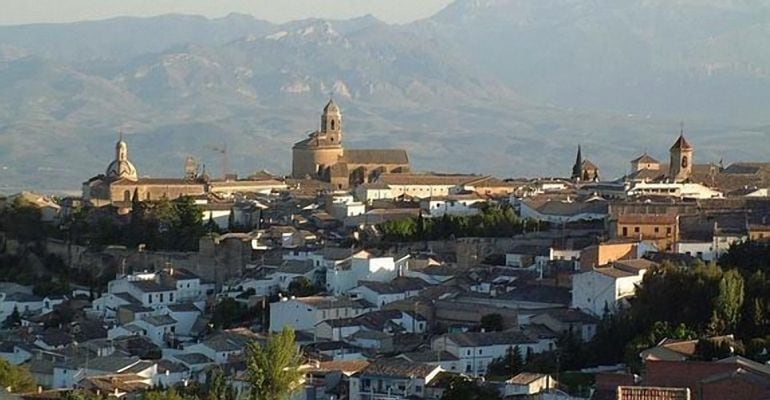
645	159
425	179
525	378
642	219
398	368
652	393
382	157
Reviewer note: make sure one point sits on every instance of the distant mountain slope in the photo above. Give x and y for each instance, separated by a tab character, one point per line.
686	58
495	86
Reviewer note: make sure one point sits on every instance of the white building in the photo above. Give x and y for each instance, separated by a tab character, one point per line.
562	211
422	186
26	304
344	206
605	288
673	189
528	384
149	289
222	346
392	379
304	313
381	293
476	350
364	267
455	205
368	192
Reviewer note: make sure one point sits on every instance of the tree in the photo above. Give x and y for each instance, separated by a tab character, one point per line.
511	364
727	304
18	379
13	319
463	388
23	221
228	312
492	322
170	394
219	389
301	287
274	368
78	395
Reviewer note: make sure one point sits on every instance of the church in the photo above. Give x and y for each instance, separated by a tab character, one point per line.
736	179
323	156
121	184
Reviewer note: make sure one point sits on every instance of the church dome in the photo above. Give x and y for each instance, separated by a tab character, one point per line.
121	167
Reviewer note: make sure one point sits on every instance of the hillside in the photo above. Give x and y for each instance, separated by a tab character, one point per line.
516	84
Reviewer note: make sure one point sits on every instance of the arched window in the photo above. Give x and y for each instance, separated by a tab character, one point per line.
685	162
333	124
127	196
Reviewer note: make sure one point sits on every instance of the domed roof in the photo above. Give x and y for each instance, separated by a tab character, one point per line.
331	107
120	167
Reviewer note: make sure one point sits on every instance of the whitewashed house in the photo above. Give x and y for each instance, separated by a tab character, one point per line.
382	293
304	313
364	266
476	350
604	289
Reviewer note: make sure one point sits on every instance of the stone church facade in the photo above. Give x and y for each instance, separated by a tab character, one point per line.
323	156
121	182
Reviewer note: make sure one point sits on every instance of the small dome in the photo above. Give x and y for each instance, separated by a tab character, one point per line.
122	169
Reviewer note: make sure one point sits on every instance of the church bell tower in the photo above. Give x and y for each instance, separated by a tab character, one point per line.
331	122
680	167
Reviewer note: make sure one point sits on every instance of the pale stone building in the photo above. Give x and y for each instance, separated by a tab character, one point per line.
322	156
121	184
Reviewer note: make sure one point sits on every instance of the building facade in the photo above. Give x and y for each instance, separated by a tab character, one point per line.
322	156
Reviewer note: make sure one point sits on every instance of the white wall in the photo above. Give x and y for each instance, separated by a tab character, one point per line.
592	290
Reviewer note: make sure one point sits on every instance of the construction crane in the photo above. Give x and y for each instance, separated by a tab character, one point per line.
224	160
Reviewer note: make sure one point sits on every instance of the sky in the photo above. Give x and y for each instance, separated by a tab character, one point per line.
15	12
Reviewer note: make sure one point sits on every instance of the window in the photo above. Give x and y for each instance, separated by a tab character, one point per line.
625	231
127	196
332	128
636	229
685	162
161	297
171	297
480	351
657	229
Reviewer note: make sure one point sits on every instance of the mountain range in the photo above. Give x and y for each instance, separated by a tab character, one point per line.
505	87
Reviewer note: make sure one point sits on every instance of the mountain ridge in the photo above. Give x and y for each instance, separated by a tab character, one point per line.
453	89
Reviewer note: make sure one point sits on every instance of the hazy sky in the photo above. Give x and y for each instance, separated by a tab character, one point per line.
31	11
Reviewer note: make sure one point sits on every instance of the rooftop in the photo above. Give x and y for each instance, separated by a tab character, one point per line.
397	368
482	339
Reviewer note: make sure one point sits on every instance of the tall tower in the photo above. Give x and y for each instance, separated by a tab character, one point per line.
577	169
680	167
331	122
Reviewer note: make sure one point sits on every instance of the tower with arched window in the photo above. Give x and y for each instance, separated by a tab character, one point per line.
680	168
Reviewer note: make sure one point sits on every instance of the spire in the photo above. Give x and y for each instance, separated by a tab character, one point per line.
577	169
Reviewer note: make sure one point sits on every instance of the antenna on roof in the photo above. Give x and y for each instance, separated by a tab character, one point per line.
681	128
